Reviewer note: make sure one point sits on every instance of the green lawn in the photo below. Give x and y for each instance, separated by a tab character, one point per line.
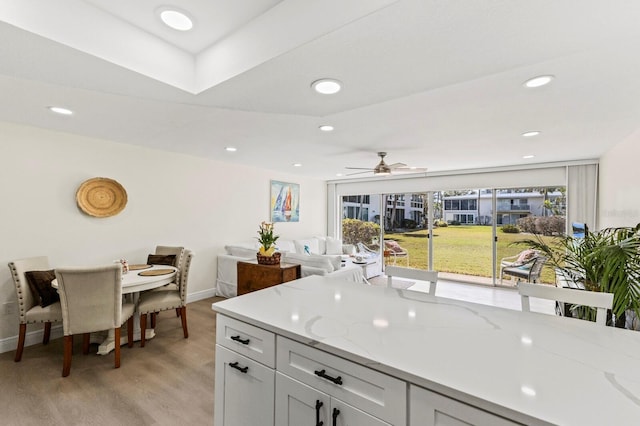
461	249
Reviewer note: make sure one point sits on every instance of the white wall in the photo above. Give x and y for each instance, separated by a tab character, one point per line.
619	188
173	199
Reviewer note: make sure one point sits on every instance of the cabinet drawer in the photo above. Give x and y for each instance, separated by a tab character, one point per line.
373	392
248	340
244	390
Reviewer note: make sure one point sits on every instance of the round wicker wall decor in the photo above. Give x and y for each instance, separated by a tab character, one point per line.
101	197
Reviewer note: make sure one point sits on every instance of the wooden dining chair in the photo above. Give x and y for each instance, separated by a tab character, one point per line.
152	302
91	300
32	308
414	274
600	301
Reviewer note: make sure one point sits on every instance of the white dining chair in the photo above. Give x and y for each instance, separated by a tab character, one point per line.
600	301
91	300
152	302
29	305
414	274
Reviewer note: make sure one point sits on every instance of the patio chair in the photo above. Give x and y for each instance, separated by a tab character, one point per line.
530	270
392	250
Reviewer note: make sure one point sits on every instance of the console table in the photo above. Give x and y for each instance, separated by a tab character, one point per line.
253	276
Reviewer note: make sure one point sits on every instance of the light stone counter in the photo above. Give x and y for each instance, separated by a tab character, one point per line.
529	367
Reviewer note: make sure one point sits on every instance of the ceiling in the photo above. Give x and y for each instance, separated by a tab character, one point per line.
436	84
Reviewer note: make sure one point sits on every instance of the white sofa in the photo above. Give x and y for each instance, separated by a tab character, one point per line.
316	256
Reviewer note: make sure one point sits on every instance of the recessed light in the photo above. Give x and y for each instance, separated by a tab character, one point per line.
230	149
531	133
326	86
60	110
176	19
538	81
297	165
528	391
339	174
527	157
326	128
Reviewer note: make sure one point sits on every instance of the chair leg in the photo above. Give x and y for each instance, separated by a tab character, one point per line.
67	351
116	351
47	333
85	343
21	335
178	312
130	332
143	329
153	320
183	315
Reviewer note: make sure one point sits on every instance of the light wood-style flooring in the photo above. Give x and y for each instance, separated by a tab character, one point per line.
168	382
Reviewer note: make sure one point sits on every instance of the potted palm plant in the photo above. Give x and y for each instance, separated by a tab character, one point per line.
607	260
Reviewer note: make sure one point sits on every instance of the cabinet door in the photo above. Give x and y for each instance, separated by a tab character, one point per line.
428	408
346	415
244	390
299	404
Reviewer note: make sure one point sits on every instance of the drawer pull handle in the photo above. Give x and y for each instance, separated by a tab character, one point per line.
319	405
237	367
240	340
324	375
335	415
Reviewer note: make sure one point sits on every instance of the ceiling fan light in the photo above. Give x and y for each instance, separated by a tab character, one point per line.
382	170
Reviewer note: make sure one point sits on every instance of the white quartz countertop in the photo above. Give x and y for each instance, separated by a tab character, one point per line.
530	367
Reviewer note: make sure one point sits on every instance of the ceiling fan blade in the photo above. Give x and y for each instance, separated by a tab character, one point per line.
396	165
359	168
357	173
410	170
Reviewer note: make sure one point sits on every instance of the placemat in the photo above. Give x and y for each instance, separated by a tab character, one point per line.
138	267
155	272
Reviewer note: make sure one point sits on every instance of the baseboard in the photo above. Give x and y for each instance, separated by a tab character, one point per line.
9	344
204	294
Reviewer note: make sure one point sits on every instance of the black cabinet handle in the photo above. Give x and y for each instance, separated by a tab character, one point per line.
323	374
319	405
335	415
240	340
237	367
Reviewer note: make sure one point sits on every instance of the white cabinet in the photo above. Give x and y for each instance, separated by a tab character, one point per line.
299	404
427	408
244	385
353	393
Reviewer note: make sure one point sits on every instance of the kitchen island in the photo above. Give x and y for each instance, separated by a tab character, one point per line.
387	356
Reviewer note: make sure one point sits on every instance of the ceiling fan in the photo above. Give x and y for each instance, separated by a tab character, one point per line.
383	169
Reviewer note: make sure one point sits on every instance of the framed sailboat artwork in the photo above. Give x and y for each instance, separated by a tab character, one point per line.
285	201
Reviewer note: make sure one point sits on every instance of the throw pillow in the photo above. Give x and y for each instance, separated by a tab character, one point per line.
322	244
312	245
525	256
161	259
393	246
40	285
334	246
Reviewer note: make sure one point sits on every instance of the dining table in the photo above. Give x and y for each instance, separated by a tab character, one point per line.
138	278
